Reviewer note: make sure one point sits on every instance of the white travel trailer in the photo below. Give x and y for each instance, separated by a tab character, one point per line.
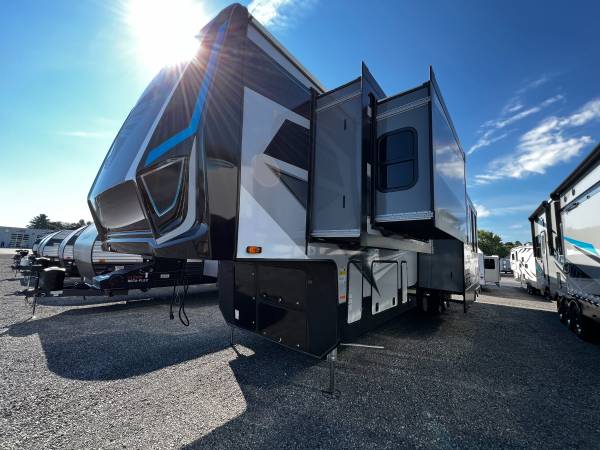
329	211
576	221
491	269
522	262
480	267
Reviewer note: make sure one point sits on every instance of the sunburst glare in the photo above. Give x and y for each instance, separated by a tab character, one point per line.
164	31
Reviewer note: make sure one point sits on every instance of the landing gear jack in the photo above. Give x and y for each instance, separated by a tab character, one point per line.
331	391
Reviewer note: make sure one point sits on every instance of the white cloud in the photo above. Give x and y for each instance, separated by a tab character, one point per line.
485	140
534	84
517	226
544	146
87	134
513	106
483	211
512	112
277	13
551	100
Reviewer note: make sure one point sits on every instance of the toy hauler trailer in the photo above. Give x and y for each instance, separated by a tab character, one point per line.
576	202
316	203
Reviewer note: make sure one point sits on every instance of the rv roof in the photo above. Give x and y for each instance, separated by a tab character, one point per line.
538	211
588	163
286	53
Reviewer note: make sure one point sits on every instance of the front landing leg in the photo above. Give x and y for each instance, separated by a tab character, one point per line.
331	391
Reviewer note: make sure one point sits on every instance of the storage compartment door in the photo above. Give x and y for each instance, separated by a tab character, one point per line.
336	193
404	281
384	290
355	291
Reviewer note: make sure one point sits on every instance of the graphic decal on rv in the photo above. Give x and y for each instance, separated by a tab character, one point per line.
585	247
187	132
274	186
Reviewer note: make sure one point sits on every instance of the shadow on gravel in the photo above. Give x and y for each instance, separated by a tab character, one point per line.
119	341
495	377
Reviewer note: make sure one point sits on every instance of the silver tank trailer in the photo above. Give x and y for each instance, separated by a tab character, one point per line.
91	260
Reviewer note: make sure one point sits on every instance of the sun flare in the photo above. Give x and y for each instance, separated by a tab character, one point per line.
164	31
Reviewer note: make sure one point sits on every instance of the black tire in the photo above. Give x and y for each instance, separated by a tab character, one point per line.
529	290
578	322
563	311
432	305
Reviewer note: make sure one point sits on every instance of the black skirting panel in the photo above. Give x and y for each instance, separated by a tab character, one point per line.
293	303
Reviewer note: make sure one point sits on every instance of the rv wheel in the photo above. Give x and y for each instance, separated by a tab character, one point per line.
578	321
563	311
529	290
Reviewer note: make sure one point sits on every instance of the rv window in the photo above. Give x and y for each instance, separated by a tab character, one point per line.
489	263
397	160
512	256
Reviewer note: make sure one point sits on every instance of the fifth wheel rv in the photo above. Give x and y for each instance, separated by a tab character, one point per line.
577	202
317	203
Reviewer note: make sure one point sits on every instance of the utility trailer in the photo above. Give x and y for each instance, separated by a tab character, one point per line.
505	266
575	203
491	269
317	203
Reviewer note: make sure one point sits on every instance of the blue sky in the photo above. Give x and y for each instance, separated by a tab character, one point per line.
520	80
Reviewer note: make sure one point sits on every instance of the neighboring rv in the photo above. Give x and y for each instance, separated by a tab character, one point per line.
86	269
575	246
505	266
491	269
544	235
523	267
329	210
480	267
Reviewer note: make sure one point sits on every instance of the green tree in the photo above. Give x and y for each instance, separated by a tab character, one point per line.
41	221
491	244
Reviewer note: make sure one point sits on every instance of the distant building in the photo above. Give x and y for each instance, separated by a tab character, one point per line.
12	237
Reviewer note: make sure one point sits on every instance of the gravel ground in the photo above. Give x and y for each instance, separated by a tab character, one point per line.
506	374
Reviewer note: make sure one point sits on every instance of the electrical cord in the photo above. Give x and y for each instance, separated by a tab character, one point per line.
184	319
171	316
178	298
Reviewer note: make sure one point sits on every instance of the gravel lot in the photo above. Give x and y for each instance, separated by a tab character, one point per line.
506	374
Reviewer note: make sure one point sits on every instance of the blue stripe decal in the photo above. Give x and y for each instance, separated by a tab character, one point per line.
181	136
582	245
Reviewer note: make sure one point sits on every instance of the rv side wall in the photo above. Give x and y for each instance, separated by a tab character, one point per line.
449	174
